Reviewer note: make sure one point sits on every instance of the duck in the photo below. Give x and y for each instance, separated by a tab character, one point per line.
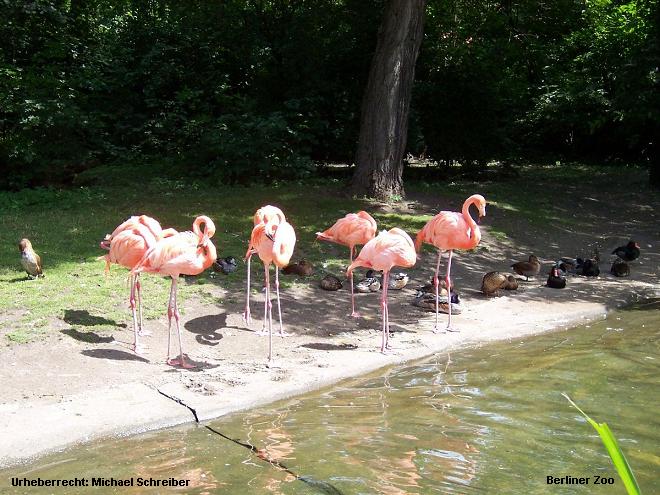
330	282
529	268
620	268
302	268
555	280
370	283
492	282
426	301
30	260
567	265
511	283
225	265
398	281
589	267
629	252
430	288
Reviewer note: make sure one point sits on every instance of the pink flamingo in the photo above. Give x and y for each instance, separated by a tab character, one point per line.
269	216
387	250
127	245
353	229
450	230
274	243
186	253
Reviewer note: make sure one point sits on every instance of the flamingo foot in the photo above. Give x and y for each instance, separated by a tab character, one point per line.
138	349
144	333
181	361
284	334
451	329
261	333
355	314
437	330
247	318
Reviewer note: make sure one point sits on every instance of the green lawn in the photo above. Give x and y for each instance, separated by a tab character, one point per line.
65	228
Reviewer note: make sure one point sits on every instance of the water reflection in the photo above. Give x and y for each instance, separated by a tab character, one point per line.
487	420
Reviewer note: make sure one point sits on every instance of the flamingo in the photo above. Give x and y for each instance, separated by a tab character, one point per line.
274	243
186	253
269	216
387	250
353	229
127	245
450	230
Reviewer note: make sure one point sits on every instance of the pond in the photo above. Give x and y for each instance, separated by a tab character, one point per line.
485	420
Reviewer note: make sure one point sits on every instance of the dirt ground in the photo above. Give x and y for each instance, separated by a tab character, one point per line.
325	343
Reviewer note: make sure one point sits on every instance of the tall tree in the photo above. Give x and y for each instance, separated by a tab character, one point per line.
386	101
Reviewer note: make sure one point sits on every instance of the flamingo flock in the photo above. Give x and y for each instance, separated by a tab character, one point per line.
141	245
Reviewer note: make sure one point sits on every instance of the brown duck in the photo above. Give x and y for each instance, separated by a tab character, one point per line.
529	268
620	268
330	282
30	260
303	268
492	282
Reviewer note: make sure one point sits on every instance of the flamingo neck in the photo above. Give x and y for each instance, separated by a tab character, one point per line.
475	233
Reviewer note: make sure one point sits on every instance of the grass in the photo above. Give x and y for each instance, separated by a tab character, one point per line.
66	226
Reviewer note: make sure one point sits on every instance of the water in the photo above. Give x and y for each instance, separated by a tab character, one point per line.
487	420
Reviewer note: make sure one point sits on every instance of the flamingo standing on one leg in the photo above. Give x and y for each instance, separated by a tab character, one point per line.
353	229
186	253
450	230
274	243
387	250
269	216
127	245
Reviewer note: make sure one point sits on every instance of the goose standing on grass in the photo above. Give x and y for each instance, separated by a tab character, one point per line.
382	253
352	230
450	230
30	260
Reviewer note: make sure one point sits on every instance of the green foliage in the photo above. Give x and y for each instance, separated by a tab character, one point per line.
616	454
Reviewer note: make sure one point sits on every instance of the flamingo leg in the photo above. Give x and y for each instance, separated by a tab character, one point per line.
436	283
264	325
138	287
449	327
170	314
136	346
354	313
246	314
181	360
386	284
269	315
279	308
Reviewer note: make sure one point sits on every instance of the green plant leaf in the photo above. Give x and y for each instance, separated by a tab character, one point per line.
616	454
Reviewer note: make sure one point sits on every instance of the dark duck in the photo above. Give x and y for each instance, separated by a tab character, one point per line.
226	265
555	280
620	268
589	267
303	268
330	282
529	268
629	252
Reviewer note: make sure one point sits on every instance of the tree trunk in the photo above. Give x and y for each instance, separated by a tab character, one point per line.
386	101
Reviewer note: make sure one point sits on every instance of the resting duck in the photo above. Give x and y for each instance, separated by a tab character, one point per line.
430	288
398	280
492	282
426	301
529	268
629	252
303	268
226	265
30	260
620	268
330	282
511	283
370	284
555	280
589	267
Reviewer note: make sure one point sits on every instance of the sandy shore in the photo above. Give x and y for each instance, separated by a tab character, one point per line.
74	388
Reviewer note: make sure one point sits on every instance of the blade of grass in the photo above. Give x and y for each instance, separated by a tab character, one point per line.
616	454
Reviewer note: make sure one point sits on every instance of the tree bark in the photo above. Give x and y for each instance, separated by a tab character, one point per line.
386	101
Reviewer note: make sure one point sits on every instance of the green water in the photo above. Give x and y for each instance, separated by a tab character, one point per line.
487	420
